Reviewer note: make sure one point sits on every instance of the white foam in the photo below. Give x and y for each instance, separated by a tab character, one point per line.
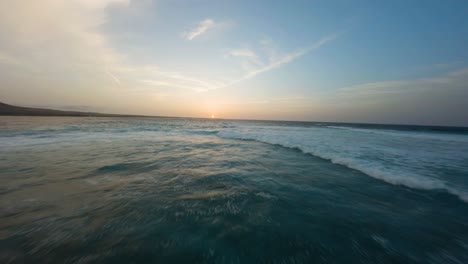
410	134
398	162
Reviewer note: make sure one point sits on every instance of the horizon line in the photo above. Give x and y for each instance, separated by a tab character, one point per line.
98	114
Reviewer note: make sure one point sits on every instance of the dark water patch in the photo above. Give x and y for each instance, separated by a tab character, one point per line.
203	199
133	167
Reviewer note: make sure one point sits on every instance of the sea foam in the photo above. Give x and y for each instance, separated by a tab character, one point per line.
405	161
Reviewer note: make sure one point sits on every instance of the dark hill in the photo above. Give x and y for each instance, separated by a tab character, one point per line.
11	110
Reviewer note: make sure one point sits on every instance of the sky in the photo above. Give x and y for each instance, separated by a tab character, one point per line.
400	61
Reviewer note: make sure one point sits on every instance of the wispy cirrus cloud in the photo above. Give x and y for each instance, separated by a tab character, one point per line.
68	37
252	63
113	77
441	99
31	38
30	41
247	53
451	80
274	60
249	59
202	27
158	78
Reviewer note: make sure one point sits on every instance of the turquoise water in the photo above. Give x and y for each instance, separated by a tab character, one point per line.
129	190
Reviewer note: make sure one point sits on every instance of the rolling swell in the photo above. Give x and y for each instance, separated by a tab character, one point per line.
183	191
391	170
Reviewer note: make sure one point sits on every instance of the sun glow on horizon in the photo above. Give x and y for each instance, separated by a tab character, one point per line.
198	58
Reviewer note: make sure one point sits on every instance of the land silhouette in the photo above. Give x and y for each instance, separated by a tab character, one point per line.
12	110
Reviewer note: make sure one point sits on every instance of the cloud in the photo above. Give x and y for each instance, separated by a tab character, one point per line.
113	77
438	100
249	59
252	64
275	63
274	60
177	84
98	4
180	81
454	79
57	50
202	27
7	59
242	53
63	35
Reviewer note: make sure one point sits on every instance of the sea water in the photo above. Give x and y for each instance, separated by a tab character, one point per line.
169	190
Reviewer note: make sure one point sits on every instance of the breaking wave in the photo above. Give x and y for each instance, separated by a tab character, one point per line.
395	162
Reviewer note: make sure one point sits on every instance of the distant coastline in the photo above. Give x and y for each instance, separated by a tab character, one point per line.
12	110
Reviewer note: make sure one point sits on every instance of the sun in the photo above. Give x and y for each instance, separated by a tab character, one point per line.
213	116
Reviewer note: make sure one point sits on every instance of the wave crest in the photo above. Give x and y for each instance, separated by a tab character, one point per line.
385	163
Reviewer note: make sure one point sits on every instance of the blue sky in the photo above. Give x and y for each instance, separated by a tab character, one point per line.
351	61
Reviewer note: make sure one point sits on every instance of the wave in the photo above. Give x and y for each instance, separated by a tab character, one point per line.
412	134
308	140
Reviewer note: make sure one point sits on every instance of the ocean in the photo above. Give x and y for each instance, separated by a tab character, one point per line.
174	190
